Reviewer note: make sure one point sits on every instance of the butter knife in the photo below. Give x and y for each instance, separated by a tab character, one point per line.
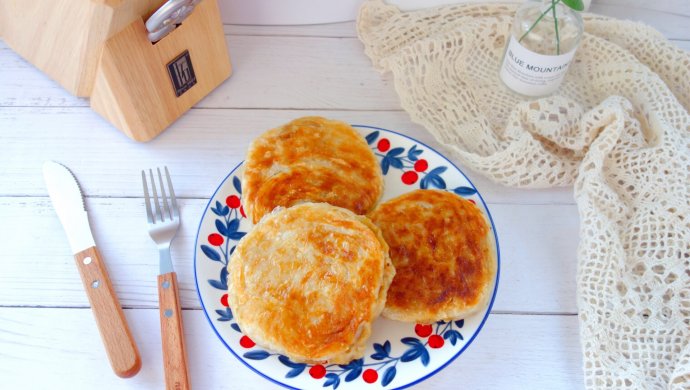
68	202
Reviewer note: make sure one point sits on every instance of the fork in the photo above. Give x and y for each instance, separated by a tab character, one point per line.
163	223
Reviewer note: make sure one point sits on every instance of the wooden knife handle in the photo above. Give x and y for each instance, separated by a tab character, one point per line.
119	344
172	333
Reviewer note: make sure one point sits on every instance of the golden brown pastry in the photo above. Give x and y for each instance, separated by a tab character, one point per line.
310	159
309	280
443	252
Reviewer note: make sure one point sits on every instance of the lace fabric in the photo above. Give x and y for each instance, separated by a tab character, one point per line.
618	130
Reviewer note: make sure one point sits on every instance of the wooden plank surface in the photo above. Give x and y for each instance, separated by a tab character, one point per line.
330	30
351	82
293	87
512	351
530	341
303	51
108	163
672	25
538	246
674	7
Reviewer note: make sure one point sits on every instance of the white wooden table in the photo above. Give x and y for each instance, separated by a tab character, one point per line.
48	338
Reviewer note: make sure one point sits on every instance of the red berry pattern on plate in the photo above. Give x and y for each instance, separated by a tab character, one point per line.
215	239
317	372
233	201
383	145
423	330
409	177
421	165
408	161
435	341
383	364
370	376
246	342
382	359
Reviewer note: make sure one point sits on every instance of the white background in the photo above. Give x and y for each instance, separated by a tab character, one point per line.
283	12
48	338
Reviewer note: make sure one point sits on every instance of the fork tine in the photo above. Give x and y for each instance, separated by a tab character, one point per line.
155	197
147	199
173	199
167	212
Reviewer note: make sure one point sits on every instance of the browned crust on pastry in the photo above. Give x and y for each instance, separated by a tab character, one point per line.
309	280
311	159
443	252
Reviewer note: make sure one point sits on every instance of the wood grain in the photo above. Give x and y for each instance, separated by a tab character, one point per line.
511	352
329	30
172	333
47	336
671	25
132	87
669	16
675	7
108	163
72	32
351	83
538	254
115	334
681	7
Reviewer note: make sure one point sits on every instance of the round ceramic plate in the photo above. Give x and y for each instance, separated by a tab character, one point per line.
399	354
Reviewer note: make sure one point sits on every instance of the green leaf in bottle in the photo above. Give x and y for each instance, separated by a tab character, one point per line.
577	5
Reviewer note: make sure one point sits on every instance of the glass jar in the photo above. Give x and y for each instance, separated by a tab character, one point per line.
542	43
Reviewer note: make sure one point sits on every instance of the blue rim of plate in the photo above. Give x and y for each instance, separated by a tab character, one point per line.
427	376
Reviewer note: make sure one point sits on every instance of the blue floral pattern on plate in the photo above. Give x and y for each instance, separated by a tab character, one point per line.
400	354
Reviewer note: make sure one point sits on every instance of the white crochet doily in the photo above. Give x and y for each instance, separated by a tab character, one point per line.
618	129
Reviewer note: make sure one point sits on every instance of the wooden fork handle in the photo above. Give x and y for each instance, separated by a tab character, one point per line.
119	344
172	333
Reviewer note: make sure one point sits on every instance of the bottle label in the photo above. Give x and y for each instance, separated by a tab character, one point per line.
533	74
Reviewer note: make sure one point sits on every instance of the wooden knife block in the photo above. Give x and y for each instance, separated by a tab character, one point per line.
99	49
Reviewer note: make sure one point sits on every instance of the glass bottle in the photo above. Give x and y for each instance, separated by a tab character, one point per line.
542	43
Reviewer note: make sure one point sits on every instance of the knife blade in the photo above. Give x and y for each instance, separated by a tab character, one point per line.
68	202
